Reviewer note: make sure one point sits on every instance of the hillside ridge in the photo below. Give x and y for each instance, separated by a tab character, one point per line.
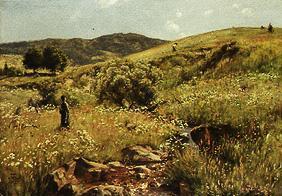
85	51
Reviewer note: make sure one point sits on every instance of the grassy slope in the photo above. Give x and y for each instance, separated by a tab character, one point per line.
100	133
245	36
245	93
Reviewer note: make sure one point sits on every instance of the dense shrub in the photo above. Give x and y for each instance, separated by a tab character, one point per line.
33	59
48	94
54	59
127	83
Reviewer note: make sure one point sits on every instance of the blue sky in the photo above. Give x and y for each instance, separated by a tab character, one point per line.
166	19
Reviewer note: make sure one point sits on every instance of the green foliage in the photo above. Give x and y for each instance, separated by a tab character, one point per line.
127	83
51	58
54	59
48	92
33	59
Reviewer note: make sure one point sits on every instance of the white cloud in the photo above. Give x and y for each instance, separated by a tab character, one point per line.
208	12
75	16
178	14
236	6
248	12
182	35
172	26
108	3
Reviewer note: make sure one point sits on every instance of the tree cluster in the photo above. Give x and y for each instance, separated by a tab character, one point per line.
50	58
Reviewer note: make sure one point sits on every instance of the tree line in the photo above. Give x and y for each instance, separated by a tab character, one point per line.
50	58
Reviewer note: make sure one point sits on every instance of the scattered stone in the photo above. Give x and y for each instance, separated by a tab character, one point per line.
88	178
105	190
141	176
115	164
140	155
142	169
154	184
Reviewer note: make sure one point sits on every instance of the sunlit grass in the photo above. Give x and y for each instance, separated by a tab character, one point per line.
35	145
244	93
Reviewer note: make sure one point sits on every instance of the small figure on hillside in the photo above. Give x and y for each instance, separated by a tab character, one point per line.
174	47
6	68
262	27
270	28
64	111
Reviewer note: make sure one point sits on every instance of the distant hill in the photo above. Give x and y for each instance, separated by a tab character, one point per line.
85	51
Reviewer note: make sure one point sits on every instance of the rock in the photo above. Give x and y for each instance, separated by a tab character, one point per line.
59	178
207	137
140	155
154	184
115	165
105	190
142	169
141	176
90	171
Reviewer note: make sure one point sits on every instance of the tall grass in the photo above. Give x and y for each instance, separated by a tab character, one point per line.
257	172
35	145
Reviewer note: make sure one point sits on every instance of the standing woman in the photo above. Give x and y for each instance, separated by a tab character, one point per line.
64	111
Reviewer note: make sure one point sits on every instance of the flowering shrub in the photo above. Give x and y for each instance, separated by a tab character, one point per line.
127	83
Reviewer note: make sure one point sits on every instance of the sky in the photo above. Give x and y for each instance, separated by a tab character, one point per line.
24	20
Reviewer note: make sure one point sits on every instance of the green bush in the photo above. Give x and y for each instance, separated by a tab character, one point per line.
127	83
33	59
54	59
48	93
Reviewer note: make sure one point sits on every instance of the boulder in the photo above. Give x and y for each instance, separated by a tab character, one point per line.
140	155
66	179
59	178
90	171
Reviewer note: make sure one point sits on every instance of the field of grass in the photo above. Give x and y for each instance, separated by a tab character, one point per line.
200	83
12	60
32	143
